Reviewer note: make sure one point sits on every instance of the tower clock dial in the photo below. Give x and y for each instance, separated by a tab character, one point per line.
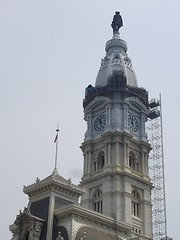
100	122
133	123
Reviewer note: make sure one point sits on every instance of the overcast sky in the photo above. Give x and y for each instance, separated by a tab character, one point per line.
49	52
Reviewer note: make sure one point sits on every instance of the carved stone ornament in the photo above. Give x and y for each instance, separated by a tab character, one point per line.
84	237
31	234
127	61
59	237
26	225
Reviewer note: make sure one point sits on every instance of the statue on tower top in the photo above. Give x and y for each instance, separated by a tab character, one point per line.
117	23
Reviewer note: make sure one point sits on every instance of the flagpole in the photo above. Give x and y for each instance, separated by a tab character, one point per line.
56	141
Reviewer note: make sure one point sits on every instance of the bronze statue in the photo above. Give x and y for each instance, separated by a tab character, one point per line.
117	23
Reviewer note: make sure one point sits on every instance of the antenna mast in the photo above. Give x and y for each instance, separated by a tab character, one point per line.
56	142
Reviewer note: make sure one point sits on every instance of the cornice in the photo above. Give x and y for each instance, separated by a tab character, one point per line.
115	170
90	216
53	183
53	187
138	178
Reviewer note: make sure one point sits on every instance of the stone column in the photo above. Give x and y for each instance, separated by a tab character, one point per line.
126	156
109	153
89	161
89	123
86	160
143	163
50	216
106	155
108	115
117	153
125	116
84	163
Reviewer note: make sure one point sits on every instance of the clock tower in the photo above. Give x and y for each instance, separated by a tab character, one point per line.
115	148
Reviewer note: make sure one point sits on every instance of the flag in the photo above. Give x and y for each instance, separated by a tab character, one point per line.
55	140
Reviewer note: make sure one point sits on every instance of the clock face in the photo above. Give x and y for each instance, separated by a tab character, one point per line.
133	123
100	122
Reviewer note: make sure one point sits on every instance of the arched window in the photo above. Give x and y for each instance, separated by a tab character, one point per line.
99	161
135	203
97	201
133	162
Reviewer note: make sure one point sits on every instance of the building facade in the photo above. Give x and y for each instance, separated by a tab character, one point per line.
115	188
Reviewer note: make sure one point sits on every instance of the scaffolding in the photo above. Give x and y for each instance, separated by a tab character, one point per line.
156	170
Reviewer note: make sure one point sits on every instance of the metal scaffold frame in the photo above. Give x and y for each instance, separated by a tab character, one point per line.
156	170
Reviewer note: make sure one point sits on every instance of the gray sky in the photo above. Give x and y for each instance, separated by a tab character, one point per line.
49	52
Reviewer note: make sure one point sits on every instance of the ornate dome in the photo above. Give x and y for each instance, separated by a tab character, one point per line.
116	59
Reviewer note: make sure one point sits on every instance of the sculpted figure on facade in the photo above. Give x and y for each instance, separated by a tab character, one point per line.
16	234
59	237
84	237
31	234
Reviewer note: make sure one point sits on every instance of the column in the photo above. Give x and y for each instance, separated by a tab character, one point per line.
117	153
89	161
89	124
106	154
108	116
126	156
50	216
125	116
109	153
143	163
85	162
142	125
